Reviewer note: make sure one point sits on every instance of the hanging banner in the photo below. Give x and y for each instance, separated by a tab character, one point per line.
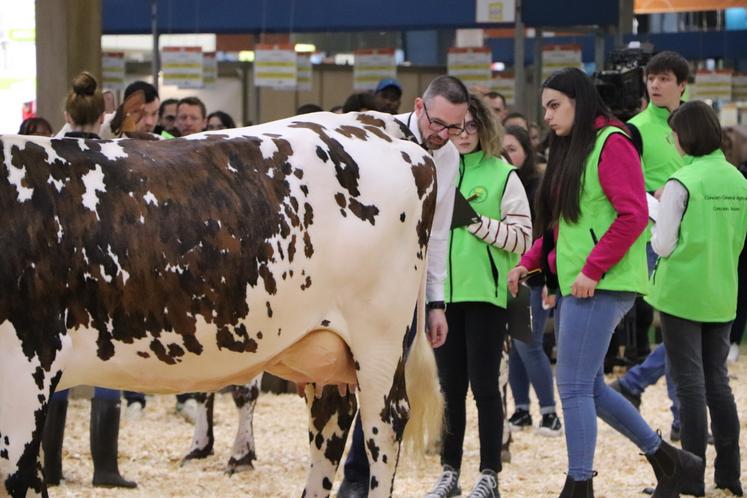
372	65
113	70
555	57
471	65
503	83
275	66
714	85
182	66
303	60
739	87
495	11
209	69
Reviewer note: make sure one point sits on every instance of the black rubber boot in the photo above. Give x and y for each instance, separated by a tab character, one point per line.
673	467
54	433
104	449
577	489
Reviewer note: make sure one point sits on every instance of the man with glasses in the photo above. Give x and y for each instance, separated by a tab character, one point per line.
437	115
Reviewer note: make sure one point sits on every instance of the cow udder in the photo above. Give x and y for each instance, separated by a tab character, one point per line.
321	357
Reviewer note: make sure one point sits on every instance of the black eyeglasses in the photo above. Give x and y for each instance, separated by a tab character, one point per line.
439	126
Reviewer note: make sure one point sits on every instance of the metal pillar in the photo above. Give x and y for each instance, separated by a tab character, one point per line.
156	60
519	74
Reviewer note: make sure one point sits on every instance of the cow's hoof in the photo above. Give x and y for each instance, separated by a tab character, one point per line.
196	454
505	456
241	464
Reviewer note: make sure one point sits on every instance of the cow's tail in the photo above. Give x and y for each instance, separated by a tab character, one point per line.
423	389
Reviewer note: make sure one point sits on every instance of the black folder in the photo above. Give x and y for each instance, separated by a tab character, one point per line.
464	214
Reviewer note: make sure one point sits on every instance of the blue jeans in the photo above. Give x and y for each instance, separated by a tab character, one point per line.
638	378
584	333
529	363
98	393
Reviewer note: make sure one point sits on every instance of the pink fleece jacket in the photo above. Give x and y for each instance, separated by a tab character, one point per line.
621	178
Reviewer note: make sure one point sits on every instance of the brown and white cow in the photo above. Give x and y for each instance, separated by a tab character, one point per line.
296	247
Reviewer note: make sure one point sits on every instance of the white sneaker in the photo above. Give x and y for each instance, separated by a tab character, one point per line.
189	410
733	355
134	411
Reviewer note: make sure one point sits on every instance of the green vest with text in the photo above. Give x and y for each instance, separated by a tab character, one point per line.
698	281
576	240
660	157
476	270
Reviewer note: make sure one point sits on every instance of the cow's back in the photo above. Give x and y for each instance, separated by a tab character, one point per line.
159	257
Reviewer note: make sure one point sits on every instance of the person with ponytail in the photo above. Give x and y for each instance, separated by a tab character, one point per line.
699	234
592	207
84	113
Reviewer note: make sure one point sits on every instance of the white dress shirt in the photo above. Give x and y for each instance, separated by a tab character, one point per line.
447	168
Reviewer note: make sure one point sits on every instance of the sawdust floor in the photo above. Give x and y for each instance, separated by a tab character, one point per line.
151	449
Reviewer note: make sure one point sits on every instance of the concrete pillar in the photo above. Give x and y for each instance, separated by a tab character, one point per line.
68	41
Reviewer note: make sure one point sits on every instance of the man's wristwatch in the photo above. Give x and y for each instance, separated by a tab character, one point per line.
436	305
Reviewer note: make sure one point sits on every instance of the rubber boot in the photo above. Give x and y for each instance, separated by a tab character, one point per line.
577	489
673	467
54	433
104	438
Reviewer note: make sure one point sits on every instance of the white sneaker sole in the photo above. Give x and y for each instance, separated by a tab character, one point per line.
518	428
544	431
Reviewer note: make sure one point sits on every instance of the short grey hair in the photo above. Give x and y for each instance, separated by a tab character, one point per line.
448	87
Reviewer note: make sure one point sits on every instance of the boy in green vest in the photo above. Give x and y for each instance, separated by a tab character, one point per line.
666	81
699	235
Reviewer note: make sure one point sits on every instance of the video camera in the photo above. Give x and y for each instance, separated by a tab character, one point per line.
621	84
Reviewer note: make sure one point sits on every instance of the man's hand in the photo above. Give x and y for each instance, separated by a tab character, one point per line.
658	192
583	286
513	279
436	327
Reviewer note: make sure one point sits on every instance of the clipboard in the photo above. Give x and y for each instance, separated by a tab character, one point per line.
519	319
464	214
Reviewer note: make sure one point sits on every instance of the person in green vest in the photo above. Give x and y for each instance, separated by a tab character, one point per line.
592	206
666	82
699	235
480	256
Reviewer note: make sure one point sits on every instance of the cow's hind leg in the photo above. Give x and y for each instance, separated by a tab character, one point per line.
385	411
24	395
330	417
202	437
244	452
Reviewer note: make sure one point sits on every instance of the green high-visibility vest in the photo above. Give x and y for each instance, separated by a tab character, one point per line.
576	240
477	271
698	281
660	157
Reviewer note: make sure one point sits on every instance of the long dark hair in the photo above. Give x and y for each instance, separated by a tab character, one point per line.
527	171
560	191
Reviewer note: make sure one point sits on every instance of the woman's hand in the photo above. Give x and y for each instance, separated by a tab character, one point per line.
548	300
513	279
583	286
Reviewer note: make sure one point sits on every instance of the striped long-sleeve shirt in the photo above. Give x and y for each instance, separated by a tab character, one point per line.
513	232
